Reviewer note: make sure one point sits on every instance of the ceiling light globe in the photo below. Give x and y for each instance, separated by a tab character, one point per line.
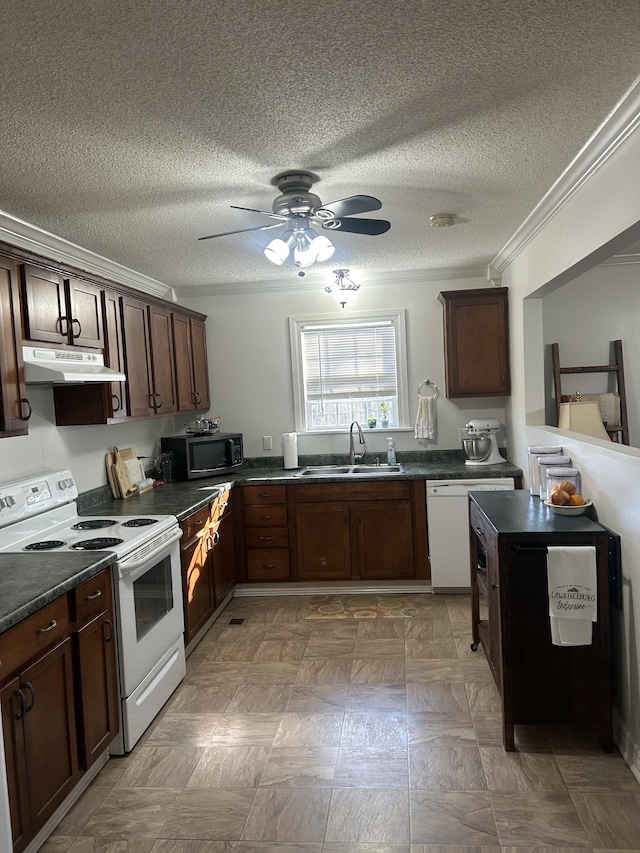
304	257
277	251
323	247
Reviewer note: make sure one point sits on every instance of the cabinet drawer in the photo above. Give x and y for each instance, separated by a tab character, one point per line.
92	597
265	494
195	524
32	636
219	506
268	564
265	516
267	537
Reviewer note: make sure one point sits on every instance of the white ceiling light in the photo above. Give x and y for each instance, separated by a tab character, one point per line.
342	289
309	247
443	220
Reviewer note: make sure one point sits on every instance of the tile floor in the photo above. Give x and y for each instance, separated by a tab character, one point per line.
348	736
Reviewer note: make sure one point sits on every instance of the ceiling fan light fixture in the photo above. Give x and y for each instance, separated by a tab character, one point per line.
443	220
323	247
342	289
278	250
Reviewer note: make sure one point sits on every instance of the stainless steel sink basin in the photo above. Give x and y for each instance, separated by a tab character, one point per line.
349	470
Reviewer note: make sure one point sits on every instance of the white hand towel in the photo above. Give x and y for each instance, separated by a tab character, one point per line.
573	594
426	417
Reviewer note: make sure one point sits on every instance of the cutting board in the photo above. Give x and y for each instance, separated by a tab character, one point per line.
111	477
122	471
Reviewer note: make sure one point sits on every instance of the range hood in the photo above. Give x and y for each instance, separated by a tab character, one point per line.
66	367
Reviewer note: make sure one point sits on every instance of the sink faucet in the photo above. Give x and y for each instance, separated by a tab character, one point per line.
352	451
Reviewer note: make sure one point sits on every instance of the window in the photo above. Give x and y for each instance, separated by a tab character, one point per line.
349	369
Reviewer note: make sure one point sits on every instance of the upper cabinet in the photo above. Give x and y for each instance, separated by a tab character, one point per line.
14	406
192	374
476	342
59	310
148	346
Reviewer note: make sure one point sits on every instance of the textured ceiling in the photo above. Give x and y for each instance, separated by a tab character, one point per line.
129	128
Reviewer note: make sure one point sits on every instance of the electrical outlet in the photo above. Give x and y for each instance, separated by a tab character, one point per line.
267	442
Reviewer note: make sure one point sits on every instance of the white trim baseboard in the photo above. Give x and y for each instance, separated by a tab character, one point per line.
629	749
246	590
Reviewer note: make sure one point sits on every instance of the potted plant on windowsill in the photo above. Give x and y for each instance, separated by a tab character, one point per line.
371	422
384	411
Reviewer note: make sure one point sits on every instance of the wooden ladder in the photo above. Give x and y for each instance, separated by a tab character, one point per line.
617	432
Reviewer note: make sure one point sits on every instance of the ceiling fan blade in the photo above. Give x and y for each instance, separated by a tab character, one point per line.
350	206
358	226
253	210
242	230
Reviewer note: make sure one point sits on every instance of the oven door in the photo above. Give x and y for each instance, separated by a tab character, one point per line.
150	614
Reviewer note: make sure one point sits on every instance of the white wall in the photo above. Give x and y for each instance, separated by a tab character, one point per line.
82	449
250	365
603	207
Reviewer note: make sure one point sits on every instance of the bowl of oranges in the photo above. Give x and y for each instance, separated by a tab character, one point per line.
565	500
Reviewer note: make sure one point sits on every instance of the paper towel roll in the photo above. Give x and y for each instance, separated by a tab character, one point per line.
290	449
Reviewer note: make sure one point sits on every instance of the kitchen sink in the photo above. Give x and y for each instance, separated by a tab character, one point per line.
349	470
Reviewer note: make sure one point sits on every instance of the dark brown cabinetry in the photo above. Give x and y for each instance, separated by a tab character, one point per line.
360	531
60	310
266	533
192	375
476	342
208	563
539	683
58	691
148	344
14	406
97	668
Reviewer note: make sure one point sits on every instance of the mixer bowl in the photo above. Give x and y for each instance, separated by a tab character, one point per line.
477	448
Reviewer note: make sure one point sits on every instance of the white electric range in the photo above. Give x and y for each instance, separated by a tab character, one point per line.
39	514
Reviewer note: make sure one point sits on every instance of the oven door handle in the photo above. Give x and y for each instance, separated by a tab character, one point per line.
126	568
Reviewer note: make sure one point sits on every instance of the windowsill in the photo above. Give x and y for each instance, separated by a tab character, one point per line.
365	430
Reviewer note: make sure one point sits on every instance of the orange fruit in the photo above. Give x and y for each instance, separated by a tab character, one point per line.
576	500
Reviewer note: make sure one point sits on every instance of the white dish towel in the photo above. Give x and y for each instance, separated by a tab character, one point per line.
426	417
573	594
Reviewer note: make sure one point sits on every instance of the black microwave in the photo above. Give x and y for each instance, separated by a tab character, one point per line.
204	455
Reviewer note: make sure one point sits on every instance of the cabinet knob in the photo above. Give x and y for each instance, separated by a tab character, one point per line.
494	586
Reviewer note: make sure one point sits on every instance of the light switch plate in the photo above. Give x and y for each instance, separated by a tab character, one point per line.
267	442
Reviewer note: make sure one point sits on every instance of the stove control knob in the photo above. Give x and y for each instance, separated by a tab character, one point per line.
3	503
9	501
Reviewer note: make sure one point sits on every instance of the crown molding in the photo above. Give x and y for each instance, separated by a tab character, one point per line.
22	234
621	122
311	281
618	260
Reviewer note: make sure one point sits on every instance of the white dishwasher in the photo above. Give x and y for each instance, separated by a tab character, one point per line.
448	526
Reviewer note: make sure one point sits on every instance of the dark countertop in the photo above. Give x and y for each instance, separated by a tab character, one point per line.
30	581
518	512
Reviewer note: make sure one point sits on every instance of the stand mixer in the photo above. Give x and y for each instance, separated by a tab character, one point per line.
481	444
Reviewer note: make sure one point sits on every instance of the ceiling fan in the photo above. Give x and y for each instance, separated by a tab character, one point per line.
296	209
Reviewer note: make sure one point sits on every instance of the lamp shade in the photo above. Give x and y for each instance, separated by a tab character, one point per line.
277	251
584	417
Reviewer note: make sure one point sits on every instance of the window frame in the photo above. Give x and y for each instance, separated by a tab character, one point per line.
298	324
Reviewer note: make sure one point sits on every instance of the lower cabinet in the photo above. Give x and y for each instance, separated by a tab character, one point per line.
208	562
58	691
335	531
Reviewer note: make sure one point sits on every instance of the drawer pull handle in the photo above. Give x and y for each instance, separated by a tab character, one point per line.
267	538
29	687
268	565
266	517
108	623
53	624
198	523
224	505
480	531
494	586
264	495
94	595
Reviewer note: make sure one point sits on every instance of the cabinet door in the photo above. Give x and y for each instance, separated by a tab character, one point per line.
385	539
322	535
50	732
12	714
114	352
137	348
85	314
162	363
98	687
476	342
223	558
14	406
44	305
199	601
185	393
200	367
